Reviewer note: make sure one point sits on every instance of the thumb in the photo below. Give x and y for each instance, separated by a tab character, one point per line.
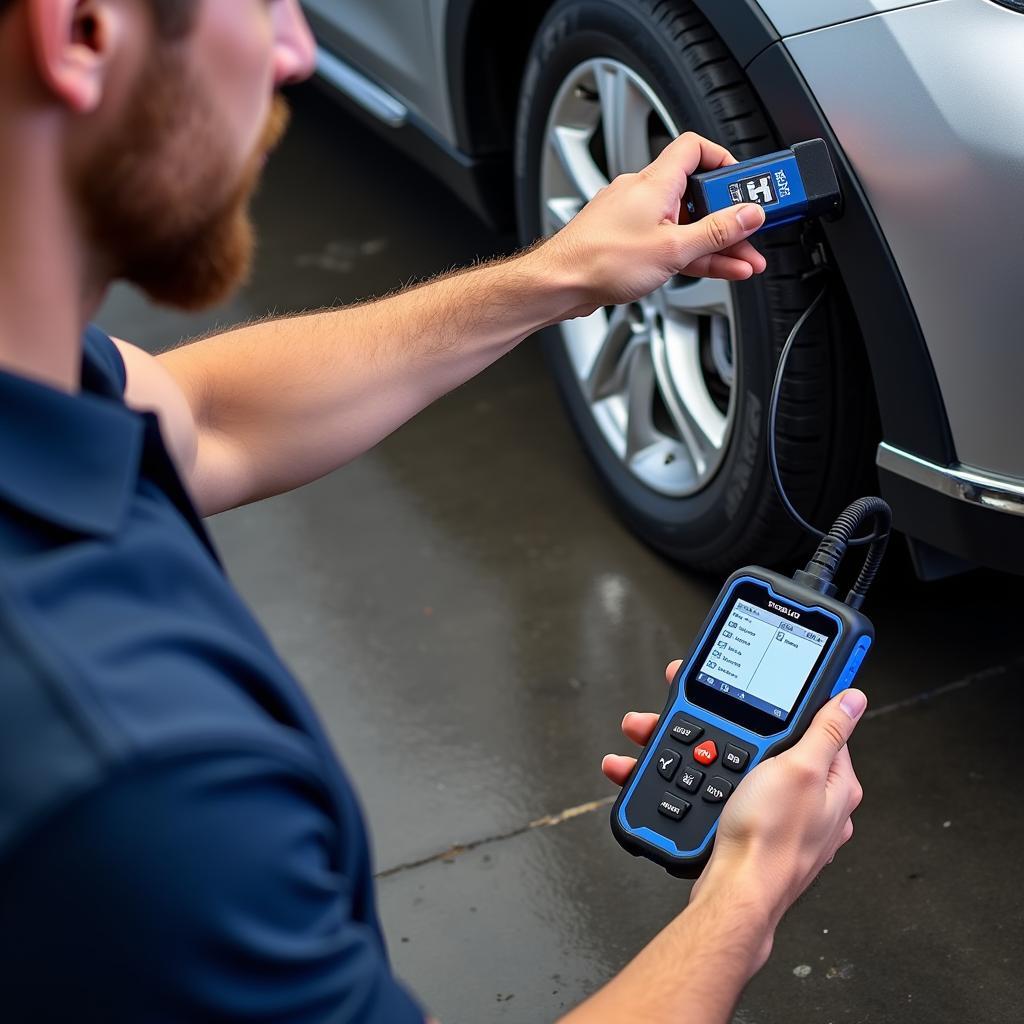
832	727
718	231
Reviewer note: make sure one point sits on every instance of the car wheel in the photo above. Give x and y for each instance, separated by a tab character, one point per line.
670	394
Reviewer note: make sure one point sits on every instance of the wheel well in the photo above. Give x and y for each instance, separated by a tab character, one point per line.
487	44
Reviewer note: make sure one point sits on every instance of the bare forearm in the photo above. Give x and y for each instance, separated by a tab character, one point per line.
694	970
283	402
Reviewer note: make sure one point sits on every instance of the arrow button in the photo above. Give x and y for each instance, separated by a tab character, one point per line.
667	762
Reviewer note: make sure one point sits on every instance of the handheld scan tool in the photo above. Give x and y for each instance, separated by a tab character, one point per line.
771	652
791	185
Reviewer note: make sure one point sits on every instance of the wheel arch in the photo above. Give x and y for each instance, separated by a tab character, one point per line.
488	43
486	46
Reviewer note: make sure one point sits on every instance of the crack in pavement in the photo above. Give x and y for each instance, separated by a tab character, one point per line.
547	821
550	820
983	676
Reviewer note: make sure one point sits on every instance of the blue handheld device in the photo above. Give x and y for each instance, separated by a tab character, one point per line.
771	652
791	185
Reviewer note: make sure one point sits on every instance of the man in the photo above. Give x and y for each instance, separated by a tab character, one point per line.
177	840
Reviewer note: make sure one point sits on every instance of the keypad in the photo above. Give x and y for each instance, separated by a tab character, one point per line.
688	781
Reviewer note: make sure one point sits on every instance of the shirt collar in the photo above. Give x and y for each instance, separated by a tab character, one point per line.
71	459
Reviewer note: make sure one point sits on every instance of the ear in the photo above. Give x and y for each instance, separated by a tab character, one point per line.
74	43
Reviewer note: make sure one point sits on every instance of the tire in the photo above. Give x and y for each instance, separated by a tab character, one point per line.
825	421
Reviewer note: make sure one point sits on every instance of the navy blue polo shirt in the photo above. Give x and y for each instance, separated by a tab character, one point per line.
177	840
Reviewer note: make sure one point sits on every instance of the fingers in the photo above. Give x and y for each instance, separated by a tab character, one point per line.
638	726
717	232
746	252
683	155
617	767
725	268
831	728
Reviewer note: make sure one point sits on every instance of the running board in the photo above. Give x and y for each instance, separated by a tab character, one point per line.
360	90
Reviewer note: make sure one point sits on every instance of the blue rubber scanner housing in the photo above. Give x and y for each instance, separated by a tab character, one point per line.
792	184
848	649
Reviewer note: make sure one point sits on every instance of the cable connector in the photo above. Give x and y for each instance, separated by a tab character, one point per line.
821	570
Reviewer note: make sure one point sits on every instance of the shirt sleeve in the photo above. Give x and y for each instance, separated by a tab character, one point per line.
101	352
207	889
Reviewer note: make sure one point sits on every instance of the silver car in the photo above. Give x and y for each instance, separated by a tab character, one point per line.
913	375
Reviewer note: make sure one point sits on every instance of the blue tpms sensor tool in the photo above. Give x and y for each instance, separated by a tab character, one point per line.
791	185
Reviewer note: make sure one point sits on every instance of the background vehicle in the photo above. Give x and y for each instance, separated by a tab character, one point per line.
528	109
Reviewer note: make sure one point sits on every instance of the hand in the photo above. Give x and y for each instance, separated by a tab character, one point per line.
627	241
786	819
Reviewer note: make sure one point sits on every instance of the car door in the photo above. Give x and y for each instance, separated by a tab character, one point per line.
390	41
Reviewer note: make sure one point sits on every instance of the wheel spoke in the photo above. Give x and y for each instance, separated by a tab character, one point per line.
702	295
559	211
585	337
639	401
624	114
572	147
701	427
604	375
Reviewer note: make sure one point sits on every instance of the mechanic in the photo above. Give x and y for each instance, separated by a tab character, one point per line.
177	840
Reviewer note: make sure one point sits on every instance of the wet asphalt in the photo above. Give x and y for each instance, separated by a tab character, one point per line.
472	622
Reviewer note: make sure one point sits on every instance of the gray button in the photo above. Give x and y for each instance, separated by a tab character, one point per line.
716	790
690	779
672	807
667	762
735	758
684	731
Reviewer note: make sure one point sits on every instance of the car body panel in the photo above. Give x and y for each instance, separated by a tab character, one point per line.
938	147
793	16
394	43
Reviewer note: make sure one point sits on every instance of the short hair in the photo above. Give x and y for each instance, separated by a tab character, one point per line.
173	18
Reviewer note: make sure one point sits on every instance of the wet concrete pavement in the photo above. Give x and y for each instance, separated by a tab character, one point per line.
472	622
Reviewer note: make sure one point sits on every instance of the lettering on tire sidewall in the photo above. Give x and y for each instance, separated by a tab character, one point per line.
748	445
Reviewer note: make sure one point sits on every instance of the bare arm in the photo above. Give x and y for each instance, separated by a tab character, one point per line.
693	970
281	403
274	405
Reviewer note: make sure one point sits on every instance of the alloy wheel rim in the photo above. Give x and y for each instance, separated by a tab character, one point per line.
659	374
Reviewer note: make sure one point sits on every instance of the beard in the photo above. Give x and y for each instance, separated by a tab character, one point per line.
159	202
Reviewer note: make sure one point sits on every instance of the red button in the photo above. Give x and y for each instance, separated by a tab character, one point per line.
706	753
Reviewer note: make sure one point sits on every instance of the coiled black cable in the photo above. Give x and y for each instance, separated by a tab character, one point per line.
843	528
773	415
821	570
